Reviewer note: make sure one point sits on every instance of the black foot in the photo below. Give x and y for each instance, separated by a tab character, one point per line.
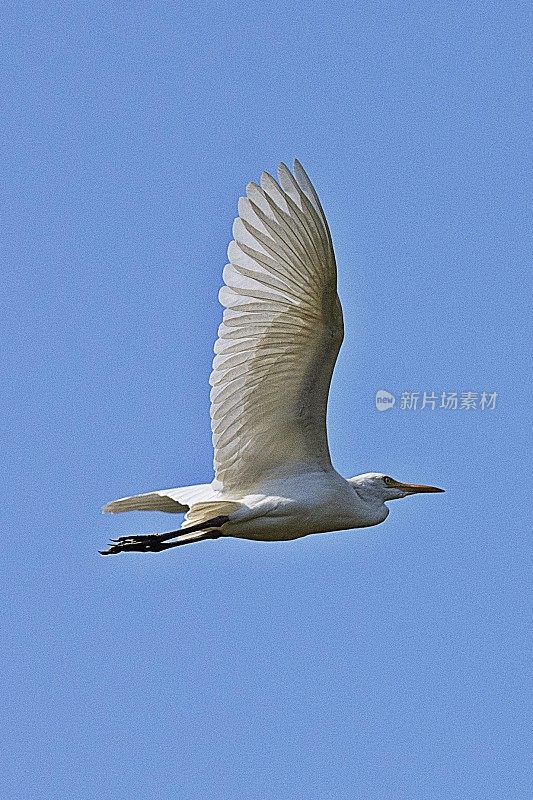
151	543
155	542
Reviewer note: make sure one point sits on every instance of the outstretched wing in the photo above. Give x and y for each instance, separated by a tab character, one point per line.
173	501
279	339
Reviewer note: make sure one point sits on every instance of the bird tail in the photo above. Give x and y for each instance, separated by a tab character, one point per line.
173	501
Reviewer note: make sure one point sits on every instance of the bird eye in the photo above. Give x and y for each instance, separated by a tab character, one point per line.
387	481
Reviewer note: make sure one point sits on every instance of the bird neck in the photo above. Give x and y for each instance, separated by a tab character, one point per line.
371	504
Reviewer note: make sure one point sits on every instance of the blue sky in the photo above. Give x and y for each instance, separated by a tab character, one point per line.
387	663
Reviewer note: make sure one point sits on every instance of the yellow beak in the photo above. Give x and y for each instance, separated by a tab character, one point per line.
414	488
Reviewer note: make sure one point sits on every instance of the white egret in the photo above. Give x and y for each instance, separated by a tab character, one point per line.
275	353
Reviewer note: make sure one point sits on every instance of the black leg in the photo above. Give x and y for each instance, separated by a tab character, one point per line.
214	534
156	542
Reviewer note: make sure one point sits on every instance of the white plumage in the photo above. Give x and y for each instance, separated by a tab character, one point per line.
274	357
279	339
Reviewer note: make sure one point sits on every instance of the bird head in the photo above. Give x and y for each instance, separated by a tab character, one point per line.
381	487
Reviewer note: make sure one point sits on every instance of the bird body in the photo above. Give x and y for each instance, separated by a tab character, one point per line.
311	502
277	346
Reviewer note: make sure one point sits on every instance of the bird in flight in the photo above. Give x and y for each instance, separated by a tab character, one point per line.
274	357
